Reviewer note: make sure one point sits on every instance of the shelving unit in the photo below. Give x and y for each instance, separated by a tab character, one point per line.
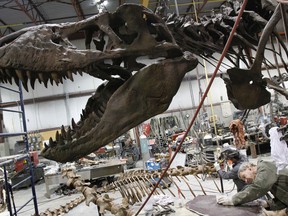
26	156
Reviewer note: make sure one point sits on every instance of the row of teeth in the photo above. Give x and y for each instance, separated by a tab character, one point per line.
75	131
88	119
7	75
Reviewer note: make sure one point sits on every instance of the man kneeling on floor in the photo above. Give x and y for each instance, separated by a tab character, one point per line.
261	178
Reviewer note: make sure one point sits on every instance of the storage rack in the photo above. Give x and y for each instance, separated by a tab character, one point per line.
26	156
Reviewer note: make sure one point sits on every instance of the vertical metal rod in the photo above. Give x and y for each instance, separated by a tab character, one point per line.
27	150
284	20
7	189
176	7
221	183
202	100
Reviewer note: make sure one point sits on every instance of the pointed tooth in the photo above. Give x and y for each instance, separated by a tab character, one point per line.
63	75
81	117
5	76
80	72
46	84
25	86
84	113
69	134
51	142
16	78
2	72
46	146
32	78
21	75
51	81
32	83
70	75
63	131
5	79
61	79
9	80
57	137
41	77
74	125
55	77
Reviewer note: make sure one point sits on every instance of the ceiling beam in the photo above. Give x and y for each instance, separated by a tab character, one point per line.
7	28
78	9
31	10
284	20
202	6
198	10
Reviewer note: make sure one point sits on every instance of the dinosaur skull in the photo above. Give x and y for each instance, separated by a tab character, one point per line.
45	53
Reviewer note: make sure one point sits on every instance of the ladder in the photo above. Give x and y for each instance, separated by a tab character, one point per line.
26	156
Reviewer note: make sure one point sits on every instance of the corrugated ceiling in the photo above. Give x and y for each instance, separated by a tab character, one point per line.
18	14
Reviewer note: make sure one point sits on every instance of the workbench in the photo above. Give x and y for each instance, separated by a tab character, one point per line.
111	167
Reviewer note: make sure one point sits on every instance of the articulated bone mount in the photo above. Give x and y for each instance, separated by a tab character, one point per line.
105	203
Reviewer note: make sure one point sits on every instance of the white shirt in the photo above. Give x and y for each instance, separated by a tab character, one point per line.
279	149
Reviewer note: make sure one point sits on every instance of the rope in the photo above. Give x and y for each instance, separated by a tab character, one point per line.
207	81
201	102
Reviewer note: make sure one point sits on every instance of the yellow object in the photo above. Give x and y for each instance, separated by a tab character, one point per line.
145	3
206	75
45	135
213	118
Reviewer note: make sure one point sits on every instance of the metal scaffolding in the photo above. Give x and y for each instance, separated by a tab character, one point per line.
26	156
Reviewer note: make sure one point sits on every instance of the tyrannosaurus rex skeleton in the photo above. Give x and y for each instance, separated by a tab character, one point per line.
44	52
126	98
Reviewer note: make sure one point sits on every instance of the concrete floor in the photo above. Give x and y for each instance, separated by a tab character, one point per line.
23	195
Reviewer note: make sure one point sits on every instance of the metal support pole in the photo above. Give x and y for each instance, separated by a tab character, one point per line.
176	7
7	189
221	183
27	149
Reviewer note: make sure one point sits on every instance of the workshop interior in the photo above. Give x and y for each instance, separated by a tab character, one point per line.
143	107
